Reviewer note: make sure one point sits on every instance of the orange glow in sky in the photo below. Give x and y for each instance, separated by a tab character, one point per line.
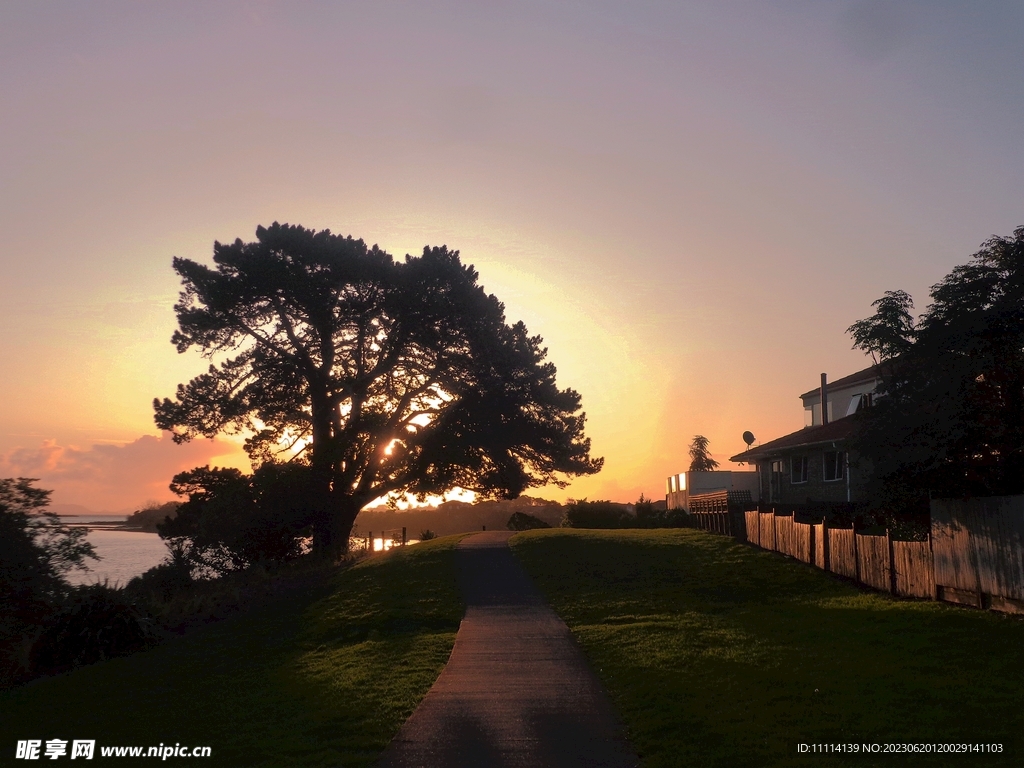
689	202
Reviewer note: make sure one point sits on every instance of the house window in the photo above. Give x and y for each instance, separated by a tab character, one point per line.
799	469
835	465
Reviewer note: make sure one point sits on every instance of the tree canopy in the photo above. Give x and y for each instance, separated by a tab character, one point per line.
950	417
700	459
381	375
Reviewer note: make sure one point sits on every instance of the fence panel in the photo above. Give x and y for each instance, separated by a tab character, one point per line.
819	545
955	562
842	559
753	520
873	561
767	530
784	532
914	575
801	541
996	526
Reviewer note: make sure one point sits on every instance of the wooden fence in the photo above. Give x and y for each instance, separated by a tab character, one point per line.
900	567
721	512
973	556
979	551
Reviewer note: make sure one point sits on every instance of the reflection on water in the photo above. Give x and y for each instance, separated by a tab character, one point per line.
358	543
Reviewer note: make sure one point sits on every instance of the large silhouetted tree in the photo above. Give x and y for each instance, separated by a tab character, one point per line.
950	420
383	376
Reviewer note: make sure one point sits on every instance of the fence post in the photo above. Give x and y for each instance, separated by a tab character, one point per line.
371	541
856	560
826	555
931	568
403	536
812	552
892	562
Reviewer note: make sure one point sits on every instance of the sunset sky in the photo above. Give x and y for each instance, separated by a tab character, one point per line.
690	202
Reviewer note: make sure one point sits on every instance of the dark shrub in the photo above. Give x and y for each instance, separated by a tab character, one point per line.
97	623
36	552
596	514
162	582
520	521
232	520
427	535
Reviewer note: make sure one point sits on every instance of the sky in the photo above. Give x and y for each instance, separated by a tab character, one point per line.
690	202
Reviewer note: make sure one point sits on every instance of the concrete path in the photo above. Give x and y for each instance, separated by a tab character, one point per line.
517	690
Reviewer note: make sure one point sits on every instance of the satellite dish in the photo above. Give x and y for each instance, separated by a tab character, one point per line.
748	438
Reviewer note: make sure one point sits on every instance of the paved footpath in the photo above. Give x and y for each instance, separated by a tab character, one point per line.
517	690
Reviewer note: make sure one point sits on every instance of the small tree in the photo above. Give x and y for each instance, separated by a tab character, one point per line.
232	520
700	459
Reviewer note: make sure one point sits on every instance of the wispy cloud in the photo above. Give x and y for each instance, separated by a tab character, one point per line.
114	477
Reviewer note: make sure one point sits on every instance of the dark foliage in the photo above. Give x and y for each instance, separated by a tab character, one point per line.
163	582
36	552
700	459
648	515
950	418
387	376
427	535
596	514
232	520
96	623
520	521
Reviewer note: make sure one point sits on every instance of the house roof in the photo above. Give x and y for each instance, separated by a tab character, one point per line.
874	372
840	429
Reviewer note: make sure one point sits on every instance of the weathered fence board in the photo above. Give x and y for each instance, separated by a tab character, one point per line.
802	541
955	563
913	561
753	520
819	545
768	530
842	552
873	561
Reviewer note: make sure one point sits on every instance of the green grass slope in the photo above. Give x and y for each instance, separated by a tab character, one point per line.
325	679
719	654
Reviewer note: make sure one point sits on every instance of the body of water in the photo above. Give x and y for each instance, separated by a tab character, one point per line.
125	554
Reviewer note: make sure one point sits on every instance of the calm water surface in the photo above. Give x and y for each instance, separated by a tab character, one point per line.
125	554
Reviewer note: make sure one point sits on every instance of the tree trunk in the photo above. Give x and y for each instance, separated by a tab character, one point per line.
332	525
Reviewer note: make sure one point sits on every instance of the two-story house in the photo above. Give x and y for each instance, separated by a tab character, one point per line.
813	464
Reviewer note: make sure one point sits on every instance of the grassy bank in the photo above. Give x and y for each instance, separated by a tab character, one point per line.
718	654
322	679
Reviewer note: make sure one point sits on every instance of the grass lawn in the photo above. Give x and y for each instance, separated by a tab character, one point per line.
326	679
719	654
